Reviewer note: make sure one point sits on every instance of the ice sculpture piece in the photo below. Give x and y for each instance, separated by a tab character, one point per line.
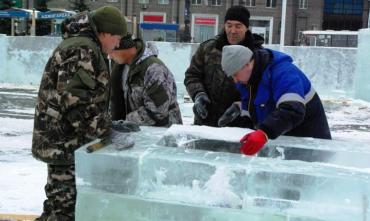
153	182
287	148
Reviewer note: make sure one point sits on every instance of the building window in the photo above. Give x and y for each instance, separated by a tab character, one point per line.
348	7
215	2
303	4
248	3
196	2
143	1
343	14
163	2
270	3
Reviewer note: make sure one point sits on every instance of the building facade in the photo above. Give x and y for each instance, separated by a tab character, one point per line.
165	19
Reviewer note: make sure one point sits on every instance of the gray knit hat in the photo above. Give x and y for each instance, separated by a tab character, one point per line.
108	19
234	57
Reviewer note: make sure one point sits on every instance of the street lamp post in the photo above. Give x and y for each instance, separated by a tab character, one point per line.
283	21
33	23
186	34
121	7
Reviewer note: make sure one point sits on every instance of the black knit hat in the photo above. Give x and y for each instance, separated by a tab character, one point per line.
126	42
238	13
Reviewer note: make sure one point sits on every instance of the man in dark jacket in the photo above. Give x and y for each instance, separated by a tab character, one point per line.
275	95
143	88
72	104
211	91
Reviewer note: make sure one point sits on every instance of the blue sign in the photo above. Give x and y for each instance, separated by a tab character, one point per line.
161	26
14	14
54	15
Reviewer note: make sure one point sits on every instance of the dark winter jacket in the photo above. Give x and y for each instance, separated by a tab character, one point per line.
205	75
145	91
280	99
71	108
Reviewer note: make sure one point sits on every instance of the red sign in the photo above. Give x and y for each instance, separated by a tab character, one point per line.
205	21
153	18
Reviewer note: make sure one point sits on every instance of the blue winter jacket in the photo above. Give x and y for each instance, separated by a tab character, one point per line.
280	100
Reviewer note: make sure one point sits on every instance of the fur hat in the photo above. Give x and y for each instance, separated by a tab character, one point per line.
126	42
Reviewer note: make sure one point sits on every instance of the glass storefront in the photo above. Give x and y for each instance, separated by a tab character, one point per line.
263	27
204	27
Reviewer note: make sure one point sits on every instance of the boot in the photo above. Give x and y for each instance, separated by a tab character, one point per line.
59	217
43	217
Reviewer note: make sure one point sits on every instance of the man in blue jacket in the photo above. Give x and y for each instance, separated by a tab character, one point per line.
276	96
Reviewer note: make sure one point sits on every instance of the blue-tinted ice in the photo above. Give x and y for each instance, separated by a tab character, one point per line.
173	175
362	77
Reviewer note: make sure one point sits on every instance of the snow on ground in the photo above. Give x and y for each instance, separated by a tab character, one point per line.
22	178
348	118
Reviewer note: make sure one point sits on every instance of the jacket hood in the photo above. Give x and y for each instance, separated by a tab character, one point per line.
262	58
80	24
149	50
279	57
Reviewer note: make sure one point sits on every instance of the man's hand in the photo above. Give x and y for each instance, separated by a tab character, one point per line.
230	115
125	126
121	140
253	142
200	105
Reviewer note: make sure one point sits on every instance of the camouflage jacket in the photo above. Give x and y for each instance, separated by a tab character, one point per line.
71	108
205	75
149	95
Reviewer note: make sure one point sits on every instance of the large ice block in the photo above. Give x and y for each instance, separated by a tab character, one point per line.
339	152
331	70
362	77
152	181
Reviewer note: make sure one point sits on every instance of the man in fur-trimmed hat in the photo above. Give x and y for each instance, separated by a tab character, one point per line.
143	88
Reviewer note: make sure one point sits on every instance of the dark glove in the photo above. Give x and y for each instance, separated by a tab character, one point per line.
253	142
121	140
230	115
200	105
125	126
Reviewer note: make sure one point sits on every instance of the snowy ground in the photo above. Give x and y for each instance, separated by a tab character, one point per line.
22	178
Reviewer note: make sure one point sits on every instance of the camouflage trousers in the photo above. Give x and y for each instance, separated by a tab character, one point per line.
61	194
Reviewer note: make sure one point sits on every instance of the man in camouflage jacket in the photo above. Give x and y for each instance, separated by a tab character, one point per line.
211	90
72	104
144	90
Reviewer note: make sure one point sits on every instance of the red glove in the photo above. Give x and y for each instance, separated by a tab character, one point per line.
253	142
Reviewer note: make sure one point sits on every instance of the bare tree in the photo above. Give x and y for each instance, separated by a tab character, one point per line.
79	5
6	4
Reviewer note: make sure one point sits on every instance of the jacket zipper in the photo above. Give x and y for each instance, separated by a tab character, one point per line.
250	99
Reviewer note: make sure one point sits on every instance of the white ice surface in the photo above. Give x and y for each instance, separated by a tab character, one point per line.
22	178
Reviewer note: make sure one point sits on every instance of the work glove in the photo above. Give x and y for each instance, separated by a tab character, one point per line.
253	142
200	105
125	126
230	115
121	140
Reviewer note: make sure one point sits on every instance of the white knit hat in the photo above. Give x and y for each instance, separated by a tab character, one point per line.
234	57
